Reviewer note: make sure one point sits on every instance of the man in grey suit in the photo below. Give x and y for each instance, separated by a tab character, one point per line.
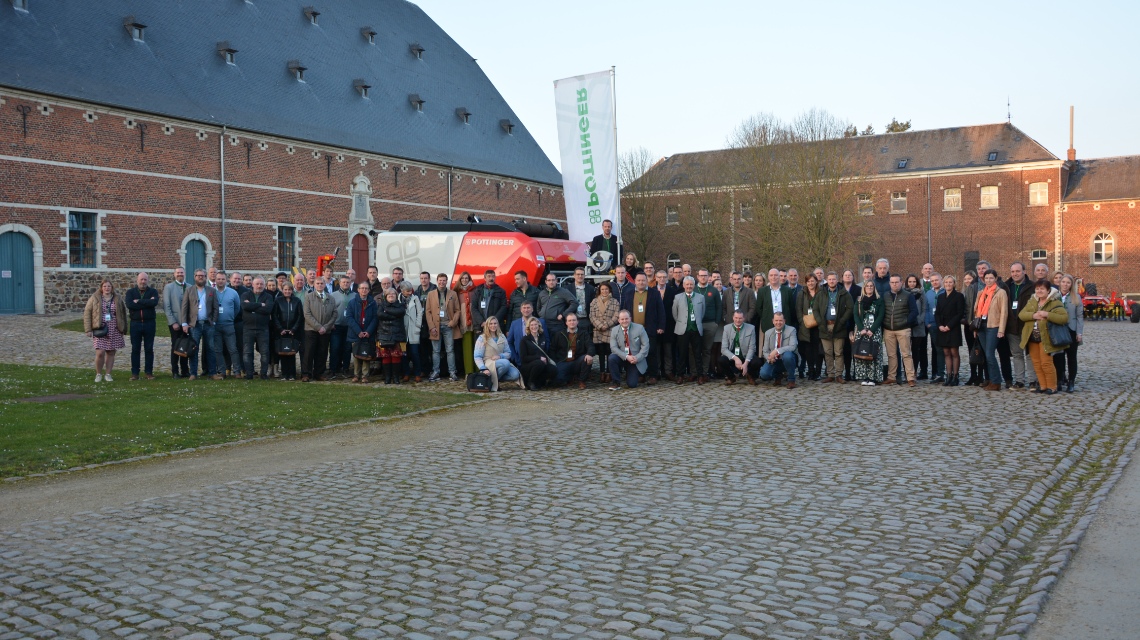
688	312
779	352
629	347
738	351
172	306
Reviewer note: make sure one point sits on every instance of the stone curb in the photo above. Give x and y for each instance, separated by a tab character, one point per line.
234	443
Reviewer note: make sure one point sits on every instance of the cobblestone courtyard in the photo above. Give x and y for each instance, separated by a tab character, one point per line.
664	512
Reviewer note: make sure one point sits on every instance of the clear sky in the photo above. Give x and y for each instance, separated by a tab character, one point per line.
690	72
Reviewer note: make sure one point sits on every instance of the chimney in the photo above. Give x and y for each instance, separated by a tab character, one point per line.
1072	151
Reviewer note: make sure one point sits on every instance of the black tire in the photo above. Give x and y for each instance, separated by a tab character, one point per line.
1135	317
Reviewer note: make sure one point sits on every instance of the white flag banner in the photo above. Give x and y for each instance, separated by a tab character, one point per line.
584	106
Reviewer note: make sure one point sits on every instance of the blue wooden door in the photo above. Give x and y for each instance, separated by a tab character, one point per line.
17	274
195	258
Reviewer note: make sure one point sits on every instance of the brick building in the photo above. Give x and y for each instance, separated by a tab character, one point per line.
945	196
247	135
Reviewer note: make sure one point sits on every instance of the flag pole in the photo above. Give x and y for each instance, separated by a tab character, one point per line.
617	164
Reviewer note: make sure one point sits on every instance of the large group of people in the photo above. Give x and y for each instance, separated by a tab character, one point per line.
642	325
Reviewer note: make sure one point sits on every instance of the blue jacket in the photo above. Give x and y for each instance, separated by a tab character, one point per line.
931	302
370	319
515	337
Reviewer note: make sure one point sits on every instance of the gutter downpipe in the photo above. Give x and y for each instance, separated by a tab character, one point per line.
929	242
222	167
450	179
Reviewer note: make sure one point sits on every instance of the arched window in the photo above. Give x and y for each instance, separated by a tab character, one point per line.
674	260
1103	249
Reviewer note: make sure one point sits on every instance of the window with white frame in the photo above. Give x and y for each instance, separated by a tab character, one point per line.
286	247
898	202
1039	194
746	211
989	197
1103	249
706	215
82	239
952	200
673	260
746	265
1039	254
671	216
866	204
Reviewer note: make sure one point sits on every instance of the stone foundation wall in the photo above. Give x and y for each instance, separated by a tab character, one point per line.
69	290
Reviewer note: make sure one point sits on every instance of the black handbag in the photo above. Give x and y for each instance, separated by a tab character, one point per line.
364	349
978	323
977	354
287	346
99	332
1059	335
184	346
479	382
865	349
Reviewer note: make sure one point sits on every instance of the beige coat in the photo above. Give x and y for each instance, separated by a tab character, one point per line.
93	313
450	305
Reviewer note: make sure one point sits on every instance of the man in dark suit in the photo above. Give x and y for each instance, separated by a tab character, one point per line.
772	299
609	243
648	311
664	365
488	300
573	352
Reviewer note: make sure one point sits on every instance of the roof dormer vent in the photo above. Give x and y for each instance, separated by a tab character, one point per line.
227	52
311	13
992	157
135	28
417	101
361	87
417	50
297	70
507	125
464	115
20	5
369	34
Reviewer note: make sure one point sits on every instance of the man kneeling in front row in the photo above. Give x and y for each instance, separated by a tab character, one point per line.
579	350
779	352
629	347
737	351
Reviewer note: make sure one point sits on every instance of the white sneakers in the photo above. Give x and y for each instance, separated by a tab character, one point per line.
98	377
107	377
868	383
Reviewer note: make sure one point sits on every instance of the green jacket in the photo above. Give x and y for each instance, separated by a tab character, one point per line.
712	303
1057	315
878	310
844	307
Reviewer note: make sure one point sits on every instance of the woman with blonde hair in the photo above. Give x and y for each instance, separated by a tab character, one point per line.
631	268
104	321
493	355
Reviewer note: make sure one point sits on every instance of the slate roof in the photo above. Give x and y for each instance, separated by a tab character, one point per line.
81	49
1105	179
928	150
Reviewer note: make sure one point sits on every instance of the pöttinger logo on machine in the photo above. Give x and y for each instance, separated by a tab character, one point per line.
490	241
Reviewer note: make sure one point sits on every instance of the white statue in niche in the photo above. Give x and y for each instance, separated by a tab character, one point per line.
361	191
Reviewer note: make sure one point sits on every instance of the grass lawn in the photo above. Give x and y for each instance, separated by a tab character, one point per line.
125	419
162	328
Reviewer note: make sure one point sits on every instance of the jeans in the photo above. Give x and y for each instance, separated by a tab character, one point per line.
412	365
259	337
786	364
226	335
617	364
505	370
340	350
199	333
990	335
1022	364
448	339
577	368
142	335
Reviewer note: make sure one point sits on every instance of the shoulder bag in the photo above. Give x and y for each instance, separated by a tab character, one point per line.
364	349
1059	334
287	346
479	382
865	349
184	346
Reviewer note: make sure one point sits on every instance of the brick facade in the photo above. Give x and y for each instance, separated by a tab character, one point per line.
154	182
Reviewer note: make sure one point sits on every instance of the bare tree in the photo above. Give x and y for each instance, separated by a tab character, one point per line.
642	217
